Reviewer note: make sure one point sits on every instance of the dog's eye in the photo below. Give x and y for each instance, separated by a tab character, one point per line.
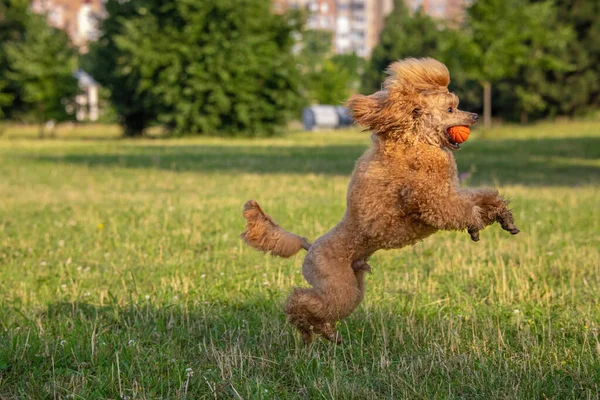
450	110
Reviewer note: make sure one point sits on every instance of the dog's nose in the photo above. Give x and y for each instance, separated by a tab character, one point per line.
475	117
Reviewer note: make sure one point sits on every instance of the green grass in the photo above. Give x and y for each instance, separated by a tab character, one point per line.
121	267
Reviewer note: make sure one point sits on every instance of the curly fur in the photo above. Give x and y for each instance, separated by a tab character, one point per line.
403	189
264	234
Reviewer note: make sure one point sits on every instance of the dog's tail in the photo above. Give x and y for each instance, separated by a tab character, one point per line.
264	234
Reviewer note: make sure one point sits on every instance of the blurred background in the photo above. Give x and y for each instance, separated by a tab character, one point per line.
252	67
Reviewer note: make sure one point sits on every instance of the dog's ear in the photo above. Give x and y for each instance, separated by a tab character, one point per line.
385	113
365	109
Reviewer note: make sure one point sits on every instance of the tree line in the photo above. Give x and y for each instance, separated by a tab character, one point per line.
233	67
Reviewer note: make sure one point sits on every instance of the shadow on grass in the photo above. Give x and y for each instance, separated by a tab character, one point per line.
108	351
162	342
534	162
234	321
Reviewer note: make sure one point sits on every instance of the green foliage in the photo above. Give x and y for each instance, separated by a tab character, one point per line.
316	46
507	34
37	65
576	90
328	84
327	78
43	65
6	98
501	37
13	14
12	28
404	35
197	66
541	56
353	67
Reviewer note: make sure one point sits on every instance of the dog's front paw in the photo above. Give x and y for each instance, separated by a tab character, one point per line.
506	220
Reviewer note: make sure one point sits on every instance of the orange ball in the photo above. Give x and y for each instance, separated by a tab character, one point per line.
459	133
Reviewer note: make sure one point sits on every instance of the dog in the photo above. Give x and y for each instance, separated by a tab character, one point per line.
403	189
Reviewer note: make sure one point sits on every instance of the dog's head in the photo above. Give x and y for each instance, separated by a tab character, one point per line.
414	104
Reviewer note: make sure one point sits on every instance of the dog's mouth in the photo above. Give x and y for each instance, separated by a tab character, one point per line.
451	144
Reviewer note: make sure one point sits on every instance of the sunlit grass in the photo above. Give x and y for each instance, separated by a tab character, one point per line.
122	275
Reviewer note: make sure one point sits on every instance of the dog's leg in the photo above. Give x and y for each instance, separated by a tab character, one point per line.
493	209
443	207
474	233
506	220
449	207
305	310
311	314
330	333
307	336
360	268
317	310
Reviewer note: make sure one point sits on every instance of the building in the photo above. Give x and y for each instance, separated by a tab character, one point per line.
79	18
374	16
356	24
359	24
322	15
448	10
281	6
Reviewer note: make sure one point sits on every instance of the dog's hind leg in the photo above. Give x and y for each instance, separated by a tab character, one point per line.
360	268
304	309
317	310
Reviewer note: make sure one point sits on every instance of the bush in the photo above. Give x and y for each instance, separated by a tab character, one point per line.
37	64
198	67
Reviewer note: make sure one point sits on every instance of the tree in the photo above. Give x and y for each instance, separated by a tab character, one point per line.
198	66
327	78
503	36
12	28
577	89
404	35
38	65
5	98
353	66
43	65
316	46
328	84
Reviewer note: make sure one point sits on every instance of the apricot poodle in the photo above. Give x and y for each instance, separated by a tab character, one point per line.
403	189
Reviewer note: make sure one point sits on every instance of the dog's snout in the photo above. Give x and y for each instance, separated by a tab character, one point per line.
475	117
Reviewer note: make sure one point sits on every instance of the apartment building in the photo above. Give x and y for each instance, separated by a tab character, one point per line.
449	10
357	24
76	17
321	13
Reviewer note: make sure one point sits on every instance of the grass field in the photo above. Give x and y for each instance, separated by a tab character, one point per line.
122	274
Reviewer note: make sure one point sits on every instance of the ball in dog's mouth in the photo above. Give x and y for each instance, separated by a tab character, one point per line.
451	144
457	134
